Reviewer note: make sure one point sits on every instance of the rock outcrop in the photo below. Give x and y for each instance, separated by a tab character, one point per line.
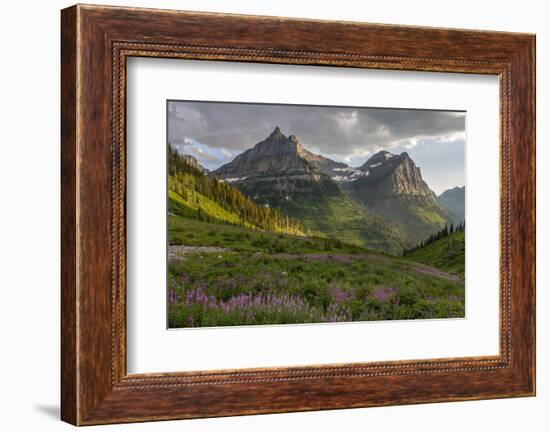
277	168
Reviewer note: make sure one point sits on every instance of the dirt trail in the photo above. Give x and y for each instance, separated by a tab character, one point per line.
176	252
429	270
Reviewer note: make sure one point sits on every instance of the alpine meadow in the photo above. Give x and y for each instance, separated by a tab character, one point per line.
289	214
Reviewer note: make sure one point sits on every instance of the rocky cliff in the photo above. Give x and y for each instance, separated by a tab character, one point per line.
277	168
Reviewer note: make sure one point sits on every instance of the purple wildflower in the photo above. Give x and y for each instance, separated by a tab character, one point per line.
172	296
250	306
338	294
338	313
383	294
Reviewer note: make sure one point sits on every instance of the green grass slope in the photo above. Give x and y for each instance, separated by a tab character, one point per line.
412	218
200	206
338	216
257	277
193	194
446	253
197	233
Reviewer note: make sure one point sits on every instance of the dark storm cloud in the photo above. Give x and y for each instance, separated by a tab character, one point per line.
215	132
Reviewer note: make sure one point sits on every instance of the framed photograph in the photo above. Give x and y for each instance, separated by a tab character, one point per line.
263	214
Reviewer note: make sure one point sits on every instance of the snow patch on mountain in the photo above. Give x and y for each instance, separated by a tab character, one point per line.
341	179
355	174
232	180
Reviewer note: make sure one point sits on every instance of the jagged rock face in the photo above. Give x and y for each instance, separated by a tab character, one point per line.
393	187
275	155
388	175
327	166
276	168
381	157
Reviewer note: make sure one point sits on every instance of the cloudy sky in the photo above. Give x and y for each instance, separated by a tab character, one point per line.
216	132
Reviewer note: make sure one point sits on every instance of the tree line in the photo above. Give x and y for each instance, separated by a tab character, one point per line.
186	180
446	231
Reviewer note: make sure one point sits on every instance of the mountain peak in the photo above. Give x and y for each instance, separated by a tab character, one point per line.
282	155
276	132
277	143
277	168
378	159
275	154
276	136
279	137
392	174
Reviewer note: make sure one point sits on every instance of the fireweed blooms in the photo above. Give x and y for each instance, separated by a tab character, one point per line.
383	294
205	291
172	296
338	294
248	305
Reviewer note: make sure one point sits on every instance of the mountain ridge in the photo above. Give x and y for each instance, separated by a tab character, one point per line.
394	188
277	168
454	199
387	190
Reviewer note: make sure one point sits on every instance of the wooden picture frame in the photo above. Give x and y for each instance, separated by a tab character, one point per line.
95	43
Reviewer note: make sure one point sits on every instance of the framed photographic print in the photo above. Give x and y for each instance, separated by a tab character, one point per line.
276	234
264	215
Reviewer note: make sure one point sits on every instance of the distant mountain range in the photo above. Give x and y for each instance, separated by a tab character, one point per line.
454	200
384	204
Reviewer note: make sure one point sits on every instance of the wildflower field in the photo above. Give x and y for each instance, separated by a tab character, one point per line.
224	275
